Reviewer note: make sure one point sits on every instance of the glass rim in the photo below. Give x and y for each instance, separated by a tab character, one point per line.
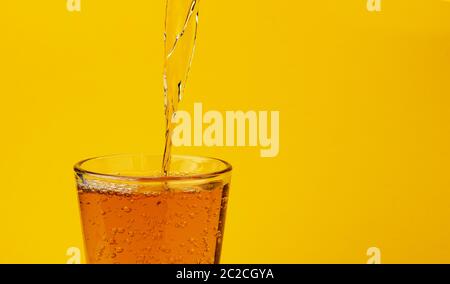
78	168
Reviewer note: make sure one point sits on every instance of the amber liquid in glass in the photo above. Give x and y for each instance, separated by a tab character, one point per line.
161	227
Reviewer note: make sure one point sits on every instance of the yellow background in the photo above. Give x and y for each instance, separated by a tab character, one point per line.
364	108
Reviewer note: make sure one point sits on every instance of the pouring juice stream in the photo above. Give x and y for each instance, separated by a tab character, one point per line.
179	39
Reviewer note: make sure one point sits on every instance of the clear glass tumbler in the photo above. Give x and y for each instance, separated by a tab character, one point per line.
131	213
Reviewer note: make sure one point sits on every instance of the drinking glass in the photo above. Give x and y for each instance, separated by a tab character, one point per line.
131	213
